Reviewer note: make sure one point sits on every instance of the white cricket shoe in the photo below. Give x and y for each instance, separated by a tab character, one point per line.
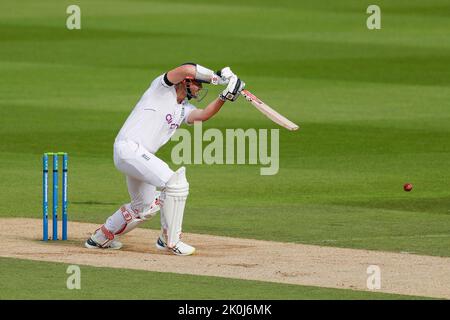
180	249
161	243
113	245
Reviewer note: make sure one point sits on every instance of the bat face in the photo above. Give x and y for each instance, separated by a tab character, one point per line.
268	111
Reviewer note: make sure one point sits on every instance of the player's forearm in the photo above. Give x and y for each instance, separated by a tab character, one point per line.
207	113
194	71
212	109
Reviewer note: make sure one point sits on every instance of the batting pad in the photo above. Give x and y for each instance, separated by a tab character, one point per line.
176	192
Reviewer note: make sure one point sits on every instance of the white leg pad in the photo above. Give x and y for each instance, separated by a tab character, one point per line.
174	200
133	219
102	236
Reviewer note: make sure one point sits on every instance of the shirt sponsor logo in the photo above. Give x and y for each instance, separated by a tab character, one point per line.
169	119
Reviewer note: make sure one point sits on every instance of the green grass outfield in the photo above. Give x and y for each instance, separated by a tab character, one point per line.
373	106
24	279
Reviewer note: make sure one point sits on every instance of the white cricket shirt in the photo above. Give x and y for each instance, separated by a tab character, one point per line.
155	117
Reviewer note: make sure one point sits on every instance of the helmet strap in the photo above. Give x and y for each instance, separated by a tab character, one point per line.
189	94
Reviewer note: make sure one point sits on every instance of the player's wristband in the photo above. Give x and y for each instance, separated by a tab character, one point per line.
222	97
203	74
206	75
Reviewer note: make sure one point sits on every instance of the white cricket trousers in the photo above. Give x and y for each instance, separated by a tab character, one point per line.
144	173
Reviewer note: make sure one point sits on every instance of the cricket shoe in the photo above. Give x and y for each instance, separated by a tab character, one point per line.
180	249
113	245
161	244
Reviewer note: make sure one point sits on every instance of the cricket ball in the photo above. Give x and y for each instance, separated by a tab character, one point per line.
407	187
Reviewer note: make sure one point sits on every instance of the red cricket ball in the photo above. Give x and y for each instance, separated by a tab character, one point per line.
407	187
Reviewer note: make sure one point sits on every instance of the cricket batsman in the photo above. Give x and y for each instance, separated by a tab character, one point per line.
160	111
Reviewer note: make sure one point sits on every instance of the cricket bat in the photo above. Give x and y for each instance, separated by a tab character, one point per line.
268	111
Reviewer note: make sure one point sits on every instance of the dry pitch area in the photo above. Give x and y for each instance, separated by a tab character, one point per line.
407	274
